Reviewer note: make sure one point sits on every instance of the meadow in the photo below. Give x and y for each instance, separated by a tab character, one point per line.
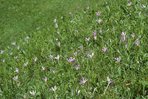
73	49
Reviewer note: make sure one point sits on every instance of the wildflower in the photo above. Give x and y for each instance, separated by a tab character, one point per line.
133	35
25	64
83	81
35	59
109	81
81	47
95	35
137	42
99	21
71	60
2	51
57	57
98	13
87	39
17	70
3	60
75	53
45	79
123	37
118	59
13	43
43	68
15	57
32	92
51	56
90	55
104	49
54	88
15	78
77	66
129	3
55	20
56	25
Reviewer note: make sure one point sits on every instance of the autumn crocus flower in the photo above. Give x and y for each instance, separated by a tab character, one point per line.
71	60
95	35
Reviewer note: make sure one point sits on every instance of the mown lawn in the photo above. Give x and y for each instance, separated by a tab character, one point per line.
73	49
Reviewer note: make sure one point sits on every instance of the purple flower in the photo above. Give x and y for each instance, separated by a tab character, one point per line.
71	60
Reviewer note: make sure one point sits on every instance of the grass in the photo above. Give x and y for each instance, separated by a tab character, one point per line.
63	49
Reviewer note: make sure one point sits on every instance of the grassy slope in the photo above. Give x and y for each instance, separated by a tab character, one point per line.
22	16
35	19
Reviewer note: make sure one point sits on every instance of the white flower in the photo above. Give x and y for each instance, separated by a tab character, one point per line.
118	59
57	57
109	80
43	68
129	3
90	55
15	78
98	13
99	21
35	59
95	35
25	64
77	66
3	60
17	70
54	88
83	81
137	42
13	43
133	35
104	49
87	39
51	56
123	37
45	79
2	51
55	20
32	92
56	25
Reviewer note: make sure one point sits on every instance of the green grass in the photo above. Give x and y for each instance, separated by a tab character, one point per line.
35	54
